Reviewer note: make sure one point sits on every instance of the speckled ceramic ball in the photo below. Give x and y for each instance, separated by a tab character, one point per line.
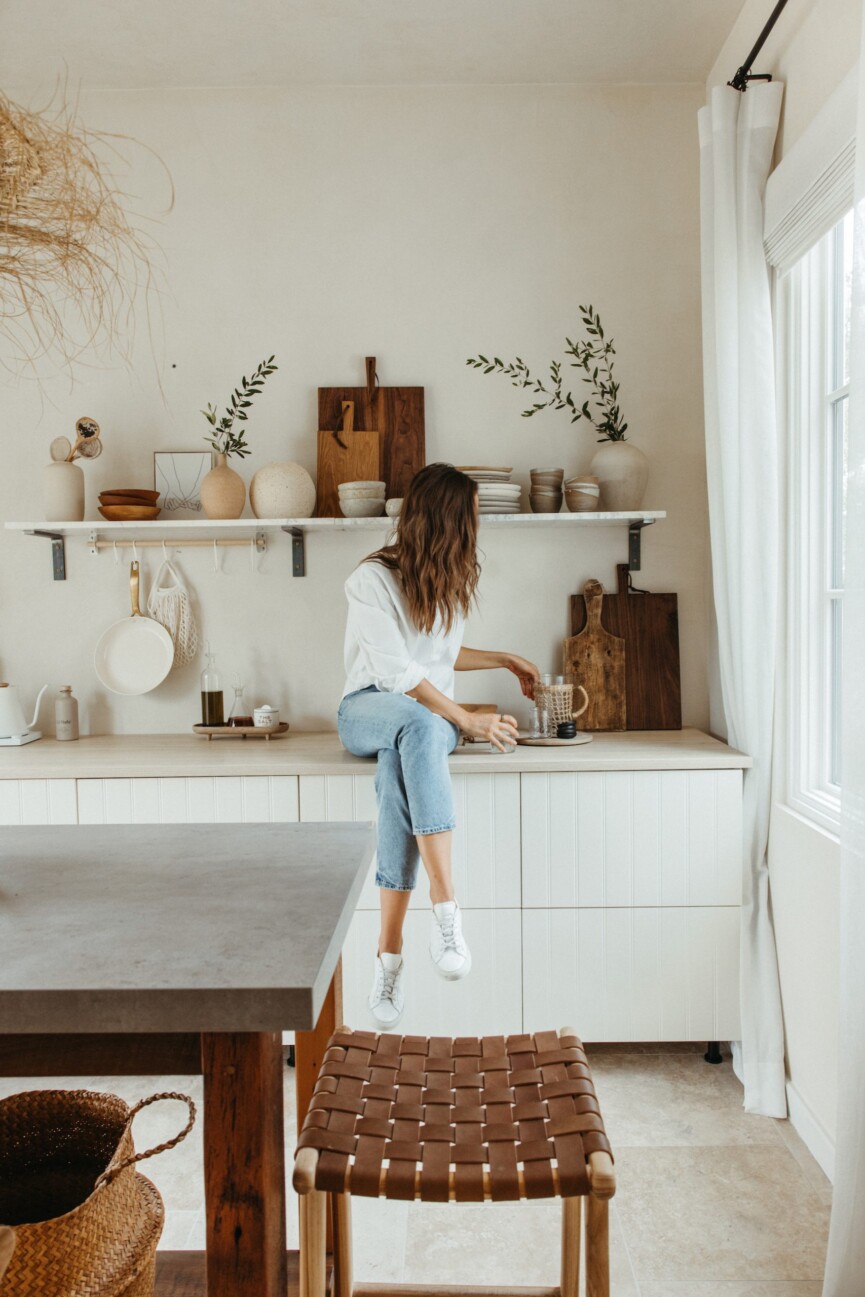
283	490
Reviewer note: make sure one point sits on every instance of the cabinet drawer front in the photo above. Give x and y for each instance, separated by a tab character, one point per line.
660	973
632	838
486	839
38	801
258	799
488	1001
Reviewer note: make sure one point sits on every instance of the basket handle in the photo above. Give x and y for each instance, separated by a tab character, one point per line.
114	1168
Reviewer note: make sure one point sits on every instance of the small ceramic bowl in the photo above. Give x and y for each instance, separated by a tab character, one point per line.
362	508
393	506
347	486
545	503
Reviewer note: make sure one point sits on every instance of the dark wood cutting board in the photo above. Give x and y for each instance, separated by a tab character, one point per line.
649	625
596	659
397	413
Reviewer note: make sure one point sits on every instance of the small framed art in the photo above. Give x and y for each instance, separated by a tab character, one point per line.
177	476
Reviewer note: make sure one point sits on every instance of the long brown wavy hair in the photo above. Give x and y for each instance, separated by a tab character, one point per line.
435	550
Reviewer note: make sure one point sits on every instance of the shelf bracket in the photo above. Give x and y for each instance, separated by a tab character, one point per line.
635	530
298	550
58	551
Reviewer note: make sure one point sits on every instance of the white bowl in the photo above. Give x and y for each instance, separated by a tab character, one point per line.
392	507
362	495
362	508
381	485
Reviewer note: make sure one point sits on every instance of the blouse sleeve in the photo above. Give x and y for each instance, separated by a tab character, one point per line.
373	626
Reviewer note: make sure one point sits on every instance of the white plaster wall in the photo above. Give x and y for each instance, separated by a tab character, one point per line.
418	224
813	46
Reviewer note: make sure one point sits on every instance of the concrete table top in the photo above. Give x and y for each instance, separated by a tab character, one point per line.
214	928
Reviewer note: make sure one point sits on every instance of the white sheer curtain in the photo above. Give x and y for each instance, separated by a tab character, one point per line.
737	136
845	1266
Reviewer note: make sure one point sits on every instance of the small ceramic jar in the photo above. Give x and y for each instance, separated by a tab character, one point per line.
266	717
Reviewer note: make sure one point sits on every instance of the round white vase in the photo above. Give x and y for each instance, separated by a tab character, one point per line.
282	490
63	492
622	471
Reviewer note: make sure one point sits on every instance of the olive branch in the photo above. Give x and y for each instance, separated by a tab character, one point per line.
225	440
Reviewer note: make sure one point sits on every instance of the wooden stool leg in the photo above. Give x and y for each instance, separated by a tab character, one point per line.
313	1219
570	1278
597	1247
341	1216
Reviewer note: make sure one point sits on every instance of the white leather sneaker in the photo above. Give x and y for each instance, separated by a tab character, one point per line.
387	999
448	950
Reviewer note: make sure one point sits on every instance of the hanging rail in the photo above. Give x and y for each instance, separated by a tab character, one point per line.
259	540
744	74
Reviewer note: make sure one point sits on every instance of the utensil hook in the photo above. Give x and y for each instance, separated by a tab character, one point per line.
116	555
216	566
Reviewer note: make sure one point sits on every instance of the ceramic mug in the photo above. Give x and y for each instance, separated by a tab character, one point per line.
266	717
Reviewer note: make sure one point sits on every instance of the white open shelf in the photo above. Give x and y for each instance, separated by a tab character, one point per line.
98	530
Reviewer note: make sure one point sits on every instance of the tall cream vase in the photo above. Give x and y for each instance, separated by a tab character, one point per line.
223	492
622	471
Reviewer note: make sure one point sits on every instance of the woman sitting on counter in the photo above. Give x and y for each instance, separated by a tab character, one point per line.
407	605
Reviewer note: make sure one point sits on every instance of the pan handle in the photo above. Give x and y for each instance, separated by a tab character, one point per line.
134	587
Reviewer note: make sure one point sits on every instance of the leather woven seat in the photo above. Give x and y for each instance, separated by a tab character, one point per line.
467	1119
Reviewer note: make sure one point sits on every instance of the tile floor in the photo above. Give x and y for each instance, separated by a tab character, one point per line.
711	1202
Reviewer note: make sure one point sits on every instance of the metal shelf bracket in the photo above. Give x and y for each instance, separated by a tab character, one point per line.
58	552
634	542
298	550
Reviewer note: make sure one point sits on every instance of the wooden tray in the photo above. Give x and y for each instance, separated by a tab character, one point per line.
527	742
239	731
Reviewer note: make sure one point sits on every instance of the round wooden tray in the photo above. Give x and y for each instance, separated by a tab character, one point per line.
526	741
239	731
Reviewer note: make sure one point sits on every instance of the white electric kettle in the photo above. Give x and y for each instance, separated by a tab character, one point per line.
14	729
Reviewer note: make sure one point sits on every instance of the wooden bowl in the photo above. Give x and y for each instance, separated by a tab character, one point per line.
129	512
130	495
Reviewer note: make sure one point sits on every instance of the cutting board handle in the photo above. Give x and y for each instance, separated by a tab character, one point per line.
347	424
593	593
371	378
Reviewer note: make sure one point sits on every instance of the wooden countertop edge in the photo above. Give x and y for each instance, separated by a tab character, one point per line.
185	756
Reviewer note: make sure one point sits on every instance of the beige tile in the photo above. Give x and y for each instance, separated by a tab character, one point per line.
811	1168
497	1243
720	1214
175	1235
379	1231
746	1289
674	1099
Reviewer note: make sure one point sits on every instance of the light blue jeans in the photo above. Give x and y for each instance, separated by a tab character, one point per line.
412	782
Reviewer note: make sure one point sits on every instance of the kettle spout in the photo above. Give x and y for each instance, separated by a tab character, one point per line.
36	708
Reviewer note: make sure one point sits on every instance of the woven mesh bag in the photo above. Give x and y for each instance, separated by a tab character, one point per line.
86	1222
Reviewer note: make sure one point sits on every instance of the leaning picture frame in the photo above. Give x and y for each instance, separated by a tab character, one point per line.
177	476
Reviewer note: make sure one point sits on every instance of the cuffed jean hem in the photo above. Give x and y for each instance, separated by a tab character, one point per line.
385	886
443	828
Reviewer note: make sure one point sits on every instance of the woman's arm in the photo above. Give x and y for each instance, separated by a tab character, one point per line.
478	725
469	659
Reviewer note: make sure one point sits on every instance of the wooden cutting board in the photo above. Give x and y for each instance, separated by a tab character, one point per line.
649	625
344	455
596	658
397	413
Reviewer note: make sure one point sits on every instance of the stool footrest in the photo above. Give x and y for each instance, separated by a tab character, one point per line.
448	1290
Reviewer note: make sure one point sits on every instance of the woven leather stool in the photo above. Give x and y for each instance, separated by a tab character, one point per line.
463	1120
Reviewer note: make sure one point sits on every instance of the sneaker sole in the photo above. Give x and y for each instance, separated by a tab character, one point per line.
458	974
385	1026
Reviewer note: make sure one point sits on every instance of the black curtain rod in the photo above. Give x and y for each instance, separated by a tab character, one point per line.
744	75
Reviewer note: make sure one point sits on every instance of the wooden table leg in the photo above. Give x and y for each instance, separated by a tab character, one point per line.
309	1046
244	1164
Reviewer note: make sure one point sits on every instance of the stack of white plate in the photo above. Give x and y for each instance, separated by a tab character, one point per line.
496	492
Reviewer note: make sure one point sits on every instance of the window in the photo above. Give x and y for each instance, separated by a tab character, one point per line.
814	302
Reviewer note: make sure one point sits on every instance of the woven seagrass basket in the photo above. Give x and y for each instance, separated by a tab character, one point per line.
86	1223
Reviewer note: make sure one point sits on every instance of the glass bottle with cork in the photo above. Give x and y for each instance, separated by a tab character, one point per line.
212	704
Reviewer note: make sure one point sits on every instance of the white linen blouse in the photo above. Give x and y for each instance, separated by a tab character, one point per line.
383	647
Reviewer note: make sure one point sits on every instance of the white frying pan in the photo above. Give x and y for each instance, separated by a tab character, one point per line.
135	654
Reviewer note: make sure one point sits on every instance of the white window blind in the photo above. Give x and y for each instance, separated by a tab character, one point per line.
812	187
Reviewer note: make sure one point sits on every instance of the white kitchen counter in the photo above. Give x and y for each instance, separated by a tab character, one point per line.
141	756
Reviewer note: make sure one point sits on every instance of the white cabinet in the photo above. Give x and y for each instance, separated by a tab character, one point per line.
38	801
488	1001
252	800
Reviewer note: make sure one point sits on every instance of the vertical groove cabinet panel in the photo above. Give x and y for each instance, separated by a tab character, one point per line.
199	800
486	839
38	801
488	1001
660	973
631	838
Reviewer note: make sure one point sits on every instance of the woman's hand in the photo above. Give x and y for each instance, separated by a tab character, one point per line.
526	672
487	728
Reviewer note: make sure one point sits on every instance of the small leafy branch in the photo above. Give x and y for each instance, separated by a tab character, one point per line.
225	440
595	357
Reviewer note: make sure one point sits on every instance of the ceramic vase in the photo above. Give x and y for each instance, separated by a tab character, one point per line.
63	492
223	493
282	490
622	471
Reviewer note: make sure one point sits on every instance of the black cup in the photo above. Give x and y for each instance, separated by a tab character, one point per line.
566	730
